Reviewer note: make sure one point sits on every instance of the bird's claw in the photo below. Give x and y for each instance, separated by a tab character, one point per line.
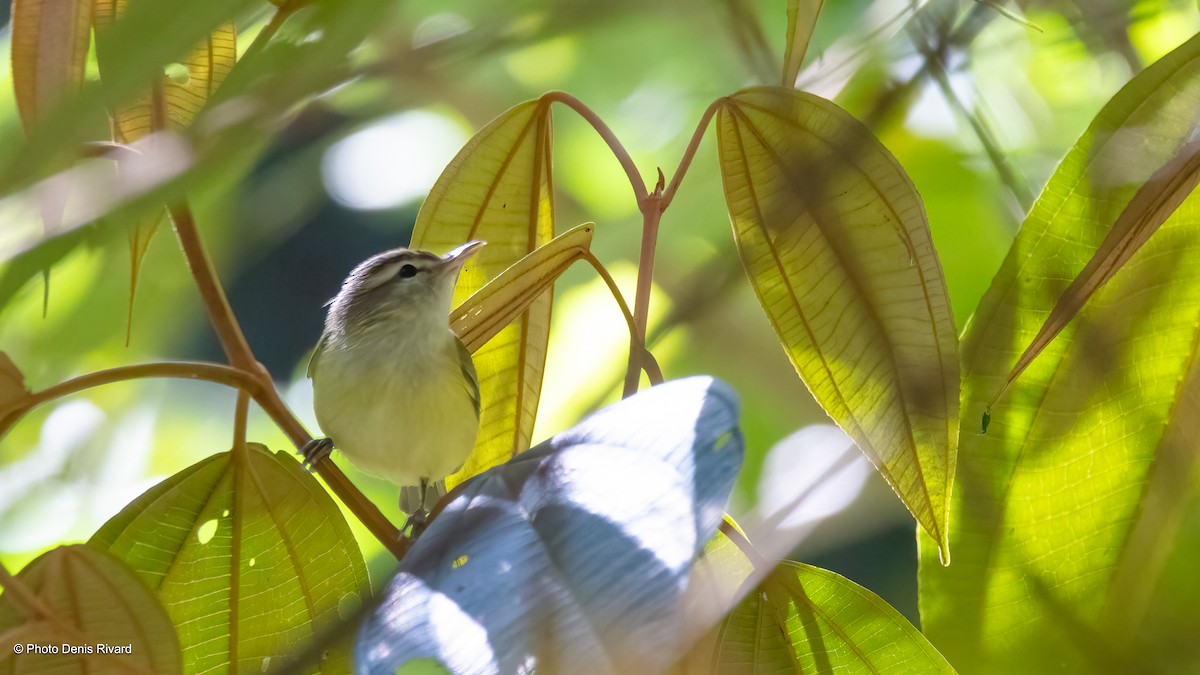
315	451
416	523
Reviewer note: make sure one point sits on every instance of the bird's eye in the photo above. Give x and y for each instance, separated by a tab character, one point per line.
407	271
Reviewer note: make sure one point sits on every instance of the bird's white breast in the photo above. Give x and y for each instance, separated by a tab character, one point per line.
396	406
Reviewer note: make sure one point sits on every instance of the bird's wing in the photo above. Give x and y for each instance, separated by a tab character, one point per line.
470	378
312	361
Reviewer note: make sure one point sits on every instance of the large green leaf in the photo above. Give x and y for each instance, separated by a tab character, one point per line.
79	597
1068	508
249	555
835	241
498	189
804	619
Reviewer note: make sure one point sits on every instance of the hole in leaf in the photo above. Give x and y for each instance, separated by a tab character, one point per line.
206	531
251	563
459	562
225	513
723	440
177	73
266	663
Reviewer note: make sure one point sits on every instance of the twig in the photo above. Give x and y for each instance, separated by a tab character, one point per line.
238	351
618	150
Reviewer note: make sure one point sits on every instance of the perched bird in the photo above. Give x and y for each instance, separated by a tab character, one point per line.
393	387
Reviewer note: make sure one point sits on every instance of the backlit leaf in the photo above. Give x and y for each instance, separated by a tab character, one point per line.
499	190
573	556
804	619
1067	514
802	18
170	104
92	601
249	555
1154	202
502	299
49	49
834	239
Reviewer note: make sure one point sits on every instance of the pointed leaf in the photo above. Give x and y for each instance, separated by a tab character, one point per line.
248	554
1069	511
502	299
499	190
804	619
1154	202
835	241
802	18
170	104
575	552
89	599
49	49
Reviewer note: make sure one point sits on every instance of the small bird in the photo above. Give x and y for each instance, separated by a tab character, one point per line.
393	387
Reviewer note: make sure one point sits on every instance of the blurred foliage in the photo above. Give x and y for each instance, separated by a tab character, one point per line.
979	129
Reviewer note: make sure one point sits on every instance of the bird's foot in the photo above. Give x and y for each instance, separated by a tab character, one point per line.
416	523
315	450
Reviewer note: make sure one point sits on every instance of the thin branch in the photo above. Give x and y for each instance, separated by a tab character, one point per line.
240	413
282	13
649	363
189	370
651	215
238	350
220	315
690	152
618	150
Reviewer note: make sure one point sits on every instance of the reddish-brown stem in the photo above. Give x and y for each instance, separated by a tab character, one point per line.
220	315
651	214
241	411
649	363
618	150
268	31
211	372
238	350
690	152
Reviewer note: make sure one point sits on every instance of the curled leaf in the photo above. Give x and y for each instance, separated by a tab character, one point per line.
80	597
499	189
1153	203
802	18
502	299
834	239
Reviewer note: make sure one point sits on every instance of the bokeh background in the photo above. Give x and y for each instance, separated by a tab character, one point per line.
977	101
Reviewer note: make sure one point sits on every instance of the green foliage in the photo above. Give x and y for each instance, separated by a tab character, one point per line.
1064	537
249	555
1067	510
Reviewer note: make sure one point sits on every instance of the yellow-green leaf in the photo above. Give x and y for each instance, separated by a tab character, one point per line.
804	619
1154	202
802	18
171	102
835	241
499	190
49	49
77	596
249	555
1075	515
504	298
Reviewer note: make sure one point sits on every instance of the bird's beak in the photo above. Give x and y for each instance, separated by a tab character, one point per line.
454	260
